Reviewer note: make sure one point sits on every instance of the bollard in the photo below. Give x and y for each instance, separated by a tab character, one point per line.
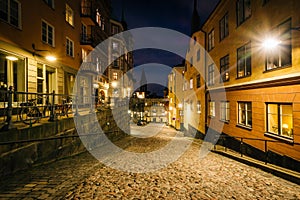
9	125
52	114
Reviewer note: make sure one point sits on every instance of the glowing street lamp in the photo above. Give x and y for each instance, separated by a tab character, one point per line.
270	43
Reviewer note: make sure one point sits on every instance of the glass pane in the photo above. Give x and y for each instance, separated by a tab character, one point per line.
287	126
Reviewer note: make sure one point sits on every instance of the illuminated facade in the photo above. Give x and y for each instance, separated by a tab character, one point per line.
255	54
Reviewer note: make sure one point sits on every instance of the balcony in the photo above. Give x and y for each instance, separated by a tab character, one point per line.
88	14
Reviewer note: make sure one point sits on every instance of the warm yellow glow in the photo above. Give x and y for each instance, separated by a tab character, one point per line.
270	43
50	58
285	126
114	84
180	105
11	58
171	108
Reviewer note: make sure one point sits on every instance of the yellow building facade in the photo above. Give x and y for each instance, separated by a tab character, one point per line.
255	46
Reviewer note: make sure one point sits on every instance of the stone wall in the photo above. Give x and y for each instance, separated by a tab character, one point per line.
17	156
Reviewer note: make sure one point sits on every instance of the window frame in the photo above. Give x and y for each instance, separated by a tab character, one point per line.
9	14
69	13
241	17
246	111
224	27
243	60
285	47
211	40
279	123
48	25
50	3
212	109
211	74
225	111
224	69
69	48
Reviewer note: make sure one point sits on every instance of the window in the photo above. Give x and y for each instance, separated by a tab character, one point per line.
185	85
281	55
115	46
211	74
191	83
114	29
224	69
100	20
10	11
198	55
280	119
244	61
245	114
198	83
70	47
47	33
69	15
50	3
224	31
191	61
224	111
212	109
243	8
198	107
211	40
115	76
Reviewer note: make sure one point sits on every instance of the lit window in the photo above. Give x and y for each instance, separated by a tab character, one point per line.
70	47
281	55
212	109
191	83
224	111
245	114
47	33
115	46
280	119
211	40
224	69
244	61
115	76
243	10
224	31
100	20
10	11
198	107
69	15
211	74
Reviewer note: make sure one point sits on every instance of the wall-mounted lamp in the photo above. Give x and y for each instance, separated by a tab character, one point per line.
49	57
270	43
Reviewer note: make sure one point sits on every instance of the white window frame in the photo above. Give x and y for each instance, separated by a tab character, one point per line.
211	39
211	74
69	15
47	34
69	47
225	111
247	114
9	14
212	109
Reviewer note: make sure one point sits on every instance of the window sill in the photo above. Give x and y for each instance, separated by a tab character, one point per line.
277	68
249	128
285	139
225	121
243	76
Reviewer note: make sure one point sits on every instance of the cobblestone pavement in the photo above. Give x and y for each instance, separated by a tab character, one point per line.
213	177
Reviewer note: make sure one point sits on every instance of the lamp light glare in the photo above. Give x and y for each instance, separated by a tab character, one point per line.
11	58
51	58
270	43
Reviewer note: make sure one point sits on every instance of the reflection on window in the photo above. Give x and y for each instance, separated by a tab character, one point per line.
281	55
280	119
224	69
245	114
243	8
224	108
244	61
224	31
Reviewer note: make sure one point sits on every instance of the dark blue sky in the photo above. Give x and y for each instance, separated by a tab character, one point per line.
171	14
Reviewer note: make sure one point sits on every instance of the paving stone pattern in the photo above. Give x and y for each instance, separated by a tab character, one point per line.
83	177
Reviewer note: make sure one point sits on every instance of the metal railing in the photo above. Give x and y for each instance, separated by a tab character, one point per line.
48	105
223	141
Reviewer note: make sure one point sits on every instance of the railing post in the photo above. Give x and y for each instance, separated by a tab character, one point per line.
52	114
266	151
9	125
241	147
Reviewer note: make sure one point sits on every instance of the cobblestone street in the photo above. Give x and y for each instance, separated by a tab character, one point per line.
83	177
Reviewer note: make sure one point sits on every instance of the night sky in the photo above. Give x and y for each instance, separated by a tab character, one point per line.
171	14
